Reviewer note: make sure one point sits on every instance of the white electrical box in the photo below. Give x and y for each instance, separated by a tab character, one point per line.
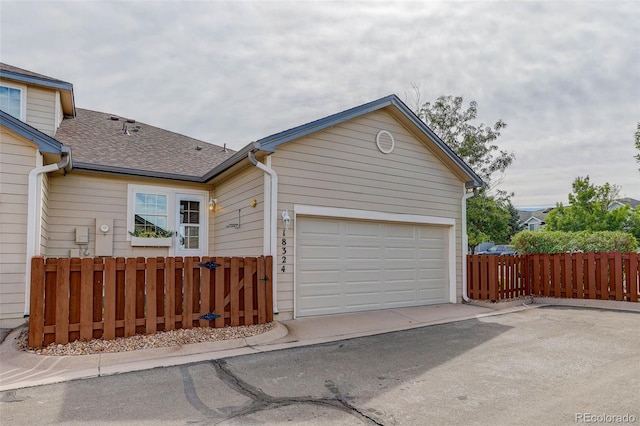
82	235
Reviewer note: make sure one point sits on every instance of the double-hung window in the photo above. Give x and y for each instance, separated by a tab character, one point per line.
159	210
13	100
150	213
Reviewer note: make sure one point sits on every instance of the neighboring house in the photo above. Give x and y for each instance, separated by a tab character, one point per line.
374	200
632	203
533	220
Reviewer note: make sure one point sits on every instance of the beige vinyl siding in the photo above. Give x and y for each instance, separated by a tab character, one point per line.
235	194
41	109
342	167
77	199
17	159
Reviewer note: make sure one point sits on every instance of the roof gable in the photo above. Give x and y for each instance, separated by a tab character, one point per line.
46	144
9	72
270	143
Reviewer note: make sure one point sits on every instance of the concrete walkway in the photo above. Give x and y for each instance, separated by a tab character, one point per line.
19	369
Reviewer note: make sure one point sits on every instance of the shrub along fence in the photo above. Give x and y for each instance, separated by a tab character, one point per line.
604	276
106	298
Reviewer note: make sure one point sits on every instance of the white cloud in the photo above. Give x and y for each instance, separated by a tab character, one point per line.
564	76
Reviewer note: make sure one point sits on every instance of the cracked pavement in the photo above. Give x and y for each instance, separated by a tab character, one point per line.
538	366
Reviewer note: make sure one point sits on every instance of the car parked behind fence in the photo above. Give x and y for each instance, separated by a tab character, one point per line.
500	250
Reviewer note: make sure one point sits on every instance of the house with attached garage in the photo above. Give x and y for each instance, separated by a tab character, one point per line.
361	210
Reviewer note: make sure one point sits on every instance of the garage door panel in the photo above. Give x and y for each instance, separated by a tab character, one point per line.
313	227
362	252
400	232
368	265
400	253
363	230
320	276
324	290
362	275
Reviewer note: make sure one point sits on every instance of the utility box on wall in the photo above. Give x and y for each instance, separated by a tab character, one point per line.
104	237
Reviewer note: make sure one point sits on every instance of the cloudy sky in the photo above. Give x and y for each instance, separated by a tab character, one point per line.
564	76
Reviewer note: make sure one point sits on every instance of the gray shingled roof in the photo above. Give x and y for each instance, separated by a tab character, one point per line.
538	214
98	142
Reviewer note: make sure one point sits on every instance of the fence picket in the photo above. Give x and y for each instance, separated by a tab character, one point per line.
205	291
109	328
151	315
86	300
130	293
249	275
62	302
617	275
187	313
234	291
590	275
633	280
269	287
170	294
219	292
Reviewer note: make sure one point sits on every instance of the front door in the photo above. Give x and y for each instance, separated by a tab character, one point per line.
190	225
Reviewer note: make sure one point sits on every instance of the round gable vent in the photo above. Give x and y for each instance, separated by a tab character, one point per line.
385	142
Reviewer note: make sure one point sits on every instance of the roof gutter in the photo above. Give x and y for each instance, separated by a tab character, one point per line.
34	213
270	231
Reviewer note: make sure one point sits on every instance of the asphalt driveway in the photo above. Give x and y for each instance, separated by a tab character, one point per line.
538	366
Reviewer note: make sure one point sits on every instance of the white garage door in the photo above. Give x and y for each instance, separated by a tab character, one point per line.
352	265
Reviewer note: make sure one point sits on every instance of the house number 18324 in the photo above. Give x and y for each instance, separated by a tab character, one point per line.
284	252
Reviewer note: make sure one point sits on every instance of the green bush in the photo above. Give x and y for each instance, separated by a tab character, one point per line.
550	242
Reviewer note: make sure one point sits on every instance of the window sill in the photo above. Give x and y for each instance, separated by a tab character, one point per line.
151	242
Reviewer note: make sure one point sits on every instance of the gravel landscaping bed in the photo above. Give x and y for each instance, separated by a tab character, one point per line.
158	340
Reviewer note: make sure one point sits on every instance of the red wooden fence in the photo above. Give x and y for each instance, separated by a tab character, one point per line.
604	276
106	298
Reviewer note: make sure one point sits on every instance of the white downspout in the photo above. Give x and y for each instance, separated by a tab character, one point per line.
465	243
273	227
34	210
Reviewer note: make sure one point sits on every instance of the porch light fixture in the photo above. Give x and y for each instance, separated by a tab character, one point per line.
212	203
286	220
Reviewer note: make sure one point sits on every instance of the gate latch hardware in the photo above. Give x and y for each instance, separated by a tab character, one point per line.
209	265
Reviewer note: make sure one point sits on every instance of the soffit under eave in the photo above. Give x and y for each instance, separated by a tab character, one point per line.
66	99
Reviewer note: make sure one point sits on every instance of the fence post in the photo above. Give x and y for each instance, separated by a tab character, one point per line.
36	303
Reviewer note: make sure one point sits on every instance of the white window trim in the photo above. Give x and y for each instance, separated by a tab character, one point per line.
23	98
171	193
